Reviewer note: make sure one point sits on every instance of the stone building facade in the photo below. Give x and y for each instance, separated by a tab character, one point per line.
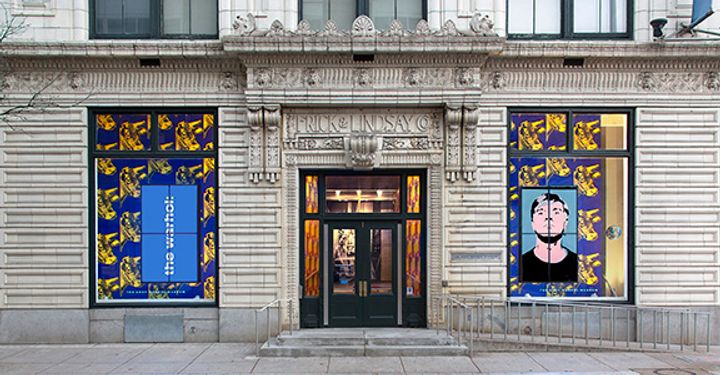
278	104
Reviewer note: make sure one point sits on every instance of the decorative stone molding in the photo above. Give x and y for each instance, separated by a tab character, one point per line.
363	36
461	123
264	144
482	25
712	81
398	130
387	77
464	77
228	81
670	82
245	25
311	77
453	123
471	116
497	80
363	77
272	143
362	151
363	26
255	144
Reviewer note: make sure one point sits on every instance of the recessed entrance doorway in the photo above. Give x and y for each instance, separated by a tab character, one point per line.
362	247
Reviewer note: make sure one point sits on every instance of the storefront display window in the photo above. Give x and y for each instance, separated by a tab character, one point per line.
155	215
569	210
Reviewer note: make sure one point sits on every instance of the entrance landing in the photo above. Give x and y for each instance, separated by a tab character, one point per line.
359	342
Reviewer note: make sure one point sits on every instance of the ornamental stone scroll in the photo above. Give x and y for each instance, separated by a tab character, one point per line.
264	144
461	142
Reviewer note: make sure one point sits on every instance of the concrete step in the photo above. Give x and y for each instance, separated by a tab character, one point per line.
362	342
362	350
350	341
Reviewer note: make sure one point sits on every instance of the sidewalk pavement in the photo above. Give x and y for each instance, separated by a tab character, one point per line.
240	359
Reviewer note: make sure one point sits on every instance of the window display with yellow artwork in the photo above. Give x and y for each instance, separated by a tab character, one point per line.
155	214
569	180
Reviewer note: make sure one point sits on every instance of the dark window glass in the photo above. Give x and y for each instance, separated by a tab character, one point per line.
343	12
155	18
136	17
568	19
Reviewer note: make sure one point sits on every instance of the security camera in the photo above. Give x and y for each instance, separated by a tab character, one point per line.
657	25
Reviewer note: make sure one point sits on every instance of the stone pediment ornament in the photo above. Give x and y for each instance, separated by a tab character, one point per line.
304	28
331	29
362	151
363	26
482	25
422	28
276	29
448	29
245	25
396	28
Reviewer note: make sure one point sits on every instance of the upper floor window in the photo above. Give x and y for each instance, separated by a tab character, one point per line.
382	12
155	19
570	19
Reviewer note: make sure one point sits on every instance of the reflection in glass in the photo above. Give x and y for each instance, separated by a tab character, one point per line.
344	261
362	194
593	131
311	194
381	261
413	194
312	258
412	258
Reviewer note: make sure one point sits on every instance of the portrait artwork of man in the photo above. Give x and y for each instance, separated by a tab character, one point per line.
549	259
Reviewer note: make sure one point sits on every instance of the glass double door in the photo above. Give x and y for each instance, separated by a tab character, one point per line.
363	269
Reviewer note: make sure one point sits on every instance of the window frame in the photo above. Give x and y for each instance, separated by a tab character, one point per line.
154	153
156	23
362	8
628	154
567	8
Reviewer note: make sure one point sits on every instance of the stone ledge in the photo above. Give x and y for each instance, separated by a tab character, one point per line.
469	45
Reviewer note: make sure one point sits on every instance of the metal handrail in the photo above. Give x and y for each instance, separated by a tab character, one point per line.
650	327
266	308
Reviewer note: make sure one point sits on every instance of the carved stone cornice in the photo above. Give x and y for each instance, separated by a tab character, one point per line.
363	37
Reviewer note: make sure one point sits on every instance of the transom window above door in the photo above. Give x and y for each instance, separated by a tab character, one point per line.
343	12
569	19
158	19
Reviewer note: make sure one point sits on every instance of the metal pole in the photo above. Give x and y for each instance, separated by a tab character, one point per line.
492	318
482	315
707	342
572	311
449	317
559	330
612	324
267	324
461	324
507	318
627	328
655	340
640	325
518	318
682	330
667	333
279	319
532	324
257	336
694	331
547	319
472	339
600	325
587	324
